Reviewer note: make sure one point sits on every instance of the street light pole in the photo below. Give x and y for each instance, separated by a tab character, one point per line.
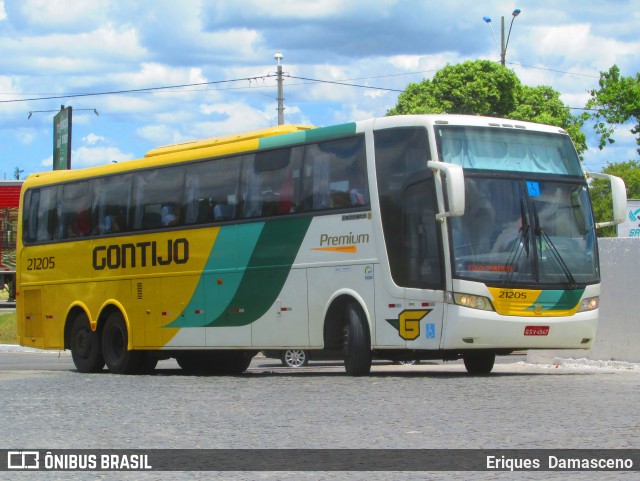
503	44
503	52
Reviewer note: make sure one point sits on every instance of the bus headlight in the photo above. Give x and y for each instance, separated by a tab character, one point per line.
589	304
472	301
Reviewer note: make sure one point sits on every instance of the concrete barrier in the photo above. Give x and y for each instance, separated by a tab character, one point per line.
618	336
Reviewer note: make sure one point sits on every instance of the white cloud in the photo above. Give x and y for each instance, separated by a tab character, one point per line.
59	14
91	156
234	117
293	10
569	43
92	139
160	134
83	58
26	136
3	13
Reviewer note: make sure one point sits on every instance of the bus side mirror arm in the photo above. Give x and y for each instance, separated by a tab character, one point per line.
618	196
454	187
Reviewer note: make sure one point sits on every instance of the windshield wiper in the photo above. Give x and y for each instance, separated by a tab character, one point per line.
542	235
521	244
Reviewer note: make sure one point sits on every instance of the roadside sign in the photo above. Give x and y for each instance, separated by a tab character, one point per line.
62	139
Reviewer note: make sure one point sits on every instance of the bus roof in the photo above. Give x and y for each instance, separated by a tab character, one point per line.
226	139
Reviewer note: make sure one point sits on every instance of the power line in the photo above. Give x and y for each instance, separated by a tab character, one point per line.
344	84
118	92
554	70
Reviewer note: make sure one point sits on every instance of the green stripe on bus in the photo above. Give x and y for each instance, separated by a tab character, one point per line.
245	272
266	273
558	300
282	140
311	135
227	261
335	131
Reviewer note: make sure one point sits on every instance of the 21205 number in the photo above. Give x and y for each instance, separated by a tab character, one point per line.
513	295
41	263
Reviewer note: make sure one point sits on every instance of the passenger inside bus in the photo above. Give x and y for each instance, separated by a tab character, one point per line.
169	213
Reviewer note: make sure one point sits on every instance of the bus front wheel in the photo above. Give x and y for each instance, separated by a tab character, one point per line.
115	339
479	362
357	343
86	350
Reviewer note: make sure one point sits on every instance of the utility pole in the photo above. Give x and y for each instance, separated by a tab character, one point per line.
503	50
278	56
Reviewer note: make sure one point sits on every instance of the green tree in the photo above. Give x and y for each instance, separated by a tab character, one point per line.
600	192
542	105
483	87
617	102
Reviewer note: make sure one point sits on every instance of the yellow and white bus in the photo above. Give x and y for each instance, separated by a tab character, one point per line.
410	237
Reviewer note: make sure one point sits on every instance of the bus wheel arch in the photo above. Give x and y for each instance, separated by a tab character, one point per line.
347	327
85	344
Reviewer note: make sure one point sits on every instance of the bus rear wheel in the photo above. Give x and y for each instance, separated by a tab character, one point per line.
357	341
479	362
86	350
115	339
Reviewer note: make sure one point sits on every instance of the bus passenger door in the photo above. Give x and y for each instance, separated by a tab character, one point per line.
421	321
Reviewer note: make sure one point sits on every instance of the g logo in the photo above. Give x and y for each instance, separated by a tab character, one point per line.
409	325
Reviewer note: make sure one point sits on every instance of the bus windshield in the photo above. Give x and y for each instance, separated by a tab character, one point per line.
521	225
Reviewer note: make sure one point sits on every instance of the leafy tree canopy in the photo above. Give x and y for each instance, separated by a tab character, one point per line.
483	87
617	102
601	192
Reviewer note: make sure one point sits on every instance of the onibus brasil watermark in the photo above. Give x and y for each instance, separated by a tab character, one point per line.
320	460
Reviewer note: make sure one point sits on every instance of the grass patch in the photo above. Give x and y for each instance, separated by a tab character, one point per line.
8	333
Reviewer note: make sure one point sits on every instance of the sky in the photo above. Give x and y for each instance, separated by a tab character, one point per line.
207	67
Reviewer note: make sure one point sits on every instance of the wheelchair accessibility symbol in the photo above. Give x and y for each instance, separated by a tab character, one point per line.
430	330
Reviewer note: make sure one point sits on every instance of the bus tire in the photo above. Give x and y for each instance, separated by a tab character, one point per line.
479	362
357	342
148	363
86	350
188	362
115	338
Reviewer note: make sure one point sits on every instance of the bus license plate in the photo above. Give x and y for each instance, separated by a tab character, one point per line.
536	331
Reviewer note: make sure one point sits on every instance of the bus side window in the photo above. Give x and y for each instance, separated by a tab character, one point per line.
111	204
30	220
74	210
159	196
211	190
335	175
47	214
270	181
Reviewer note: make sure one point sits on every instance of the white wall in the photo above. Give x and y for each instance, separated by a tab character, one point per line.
618	336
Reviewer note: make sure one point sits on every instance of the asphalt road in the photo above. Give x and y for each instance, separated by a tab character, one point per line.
45	404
